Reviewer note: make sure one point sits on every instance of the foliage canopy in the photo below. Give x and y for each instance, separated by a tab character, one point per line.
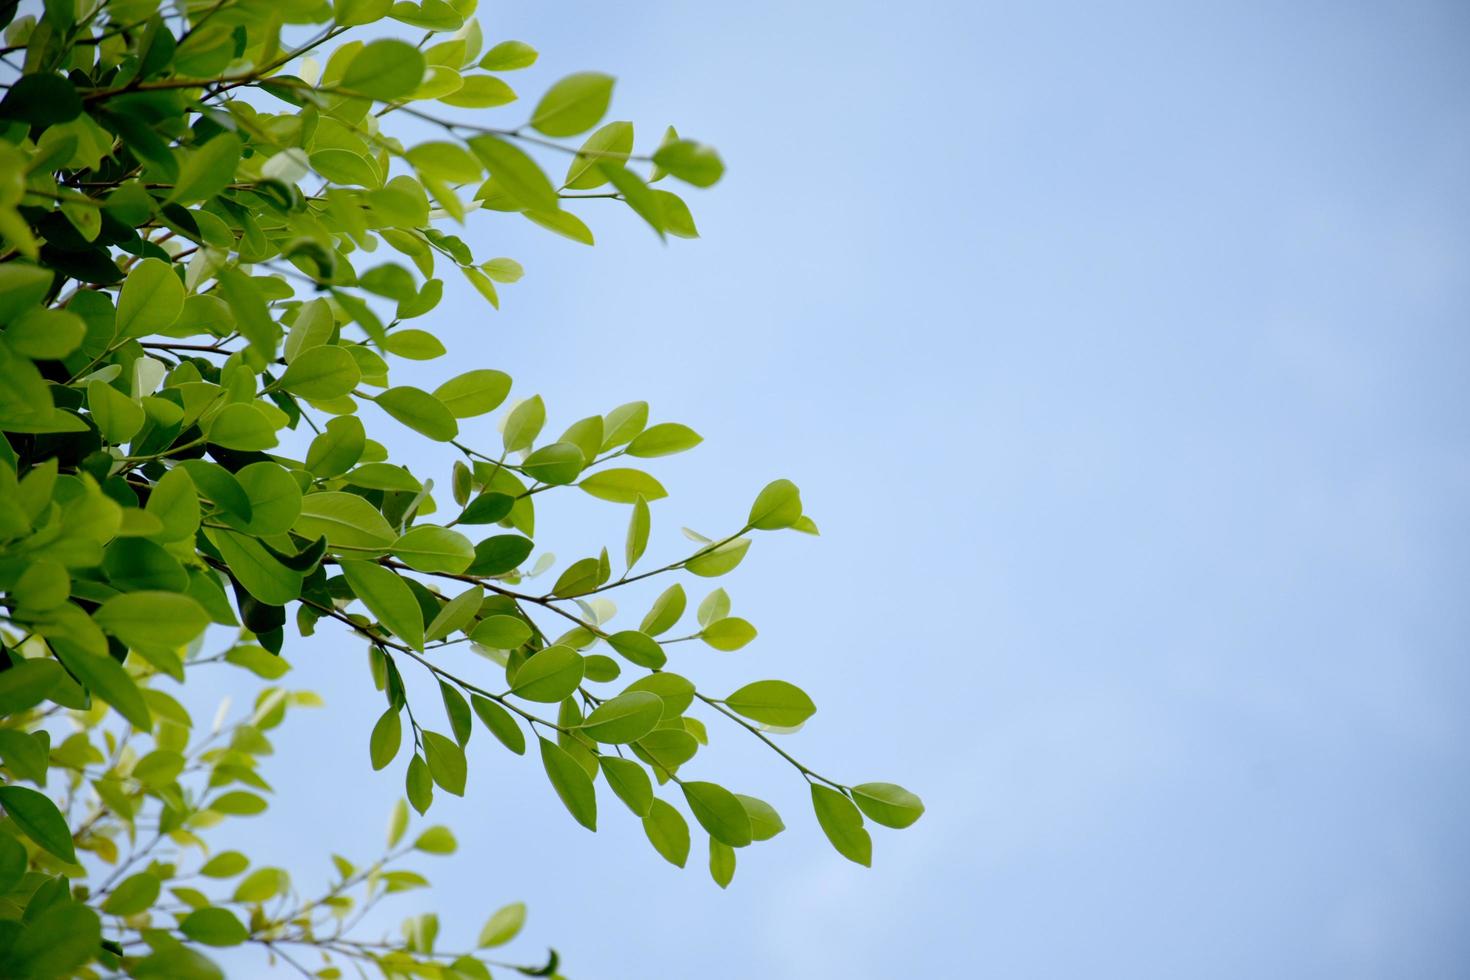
212	251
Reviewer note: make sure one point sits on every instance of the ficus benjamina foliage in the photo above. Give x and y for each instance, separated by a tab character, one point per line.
213	251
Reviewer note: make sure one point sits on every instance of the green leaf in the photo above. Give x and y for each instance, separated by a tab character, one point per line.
500	554
564	223
448	161
214	927
500	723
571	782
715	607
258	661
388	598
225	864
151	300
345	520
386	737
501	632
39	819
623	486
436	840
26	754
259	572
677	219
664	439
666	611
638	648
580	578
134	894
22	286
772	703
415	345
573	105
765	822
45	334
638	526
718	812
508	56
242	427
456	614
721	862
730	633
353	13
430	548
118	416
480	92
346	168
843	825
419	784
397	825
159	768
503	270
262	885
27	683
777	506
667	831
152	619
420	411
549	676
383	476
175	963
312	328
56	939
175	502
503	926
601	669
586	435
238	803
888	804
557	464
275	498
39	97
629	781
457	710
625	718
487	508
523	424
677	692
483	285
613	141
667	748
446	762
516	173
693	163
322	373
636	194
385	69
252	315
336	450
207	170
718	561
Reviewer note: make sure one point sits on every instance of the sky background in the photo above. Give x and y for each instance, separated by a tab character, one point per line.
1120	352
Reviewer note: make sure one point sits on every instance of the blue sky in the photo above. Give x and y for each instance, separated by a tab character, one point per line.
1120	352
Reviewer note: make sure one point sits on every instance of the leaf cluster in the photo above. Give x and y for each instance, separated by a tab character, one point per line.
214	250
